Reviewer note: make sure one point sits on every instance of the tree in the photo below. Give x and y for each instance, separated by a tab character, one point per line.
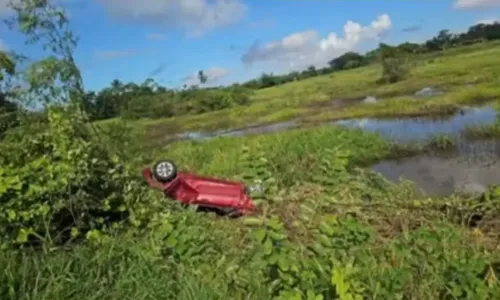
311	70
409	47
202	77
348	59
444	39
57	77
393	65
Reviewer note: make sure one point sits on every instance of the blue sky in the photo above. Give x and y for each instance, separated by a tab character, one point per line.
236	40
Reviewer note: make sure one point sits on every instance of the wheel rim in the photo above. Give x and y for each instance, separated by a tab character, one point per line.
164	169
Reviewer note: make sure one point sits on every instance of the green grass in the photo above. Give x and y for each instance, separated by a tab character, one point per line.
326	224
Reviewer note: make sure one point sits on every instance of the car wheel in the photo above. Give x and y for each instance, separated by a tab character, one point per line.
164	170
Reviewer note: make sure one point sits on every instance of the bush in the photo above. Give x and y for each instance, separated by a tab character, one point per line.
192	101
7	121
156	106
393	70
58	184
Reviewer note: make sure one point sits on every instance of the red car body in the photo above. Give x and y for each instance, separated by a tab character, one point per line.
205	192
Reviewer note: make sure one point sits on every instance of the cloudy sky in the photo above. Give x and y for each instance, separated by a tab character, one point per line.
235	40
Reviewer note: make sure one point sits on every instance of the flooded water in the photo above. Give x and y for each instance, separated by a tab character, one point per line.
473	166
419	129
270	128
399	130
428	92
194	135
262	129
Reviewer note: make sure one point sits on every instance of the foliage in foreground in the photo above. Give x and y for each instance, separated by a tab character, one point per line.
340	233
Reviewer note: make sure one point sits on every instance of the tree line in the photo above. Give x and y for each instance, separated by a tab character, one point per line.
443	40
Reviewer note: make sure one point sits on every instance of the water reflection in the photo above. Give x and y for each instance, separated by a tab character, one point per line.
471	168
419	129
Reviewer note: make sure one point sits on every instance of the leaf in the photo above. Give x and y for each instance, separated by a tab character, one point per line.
326	229
268	246
283	263
325	241
253	221
22	236
260	234
491	278
75	232
276	236
338	281
310	295
274	224
273	259
11	215
171	241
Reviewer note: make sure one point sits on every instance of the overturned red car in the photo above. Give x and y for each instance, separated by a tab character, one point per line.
222	196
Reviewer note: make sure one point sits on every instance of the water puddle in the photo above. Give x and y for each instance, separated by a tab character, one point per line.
420	129
428	92
194	135
470	169
270	128
261	129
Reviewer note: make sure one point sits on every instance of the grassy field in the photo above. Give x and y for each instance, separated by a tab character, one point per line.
326	227
467	75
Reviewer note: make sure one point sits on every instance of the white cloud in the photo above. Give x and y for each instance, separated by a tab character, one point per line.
470	4
195	16
213	76
488	21
307	48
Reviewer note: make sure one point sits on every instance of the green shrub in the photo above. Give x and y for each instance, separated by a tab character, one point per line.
157	106
393	70
59	183
192	101
7	121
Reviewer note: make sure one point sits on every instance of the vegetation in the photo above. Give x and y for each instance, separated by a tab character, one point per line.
76	222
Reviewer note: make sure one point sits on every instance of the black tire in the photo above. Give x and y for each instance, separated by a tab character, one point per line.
164	170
